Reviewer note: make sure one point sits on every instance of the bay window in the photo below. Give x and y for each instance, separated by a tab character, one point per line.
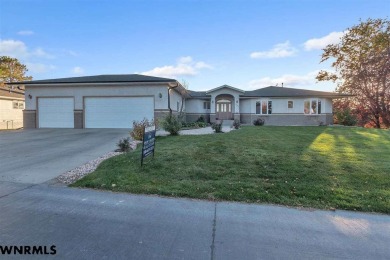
263	107
312	107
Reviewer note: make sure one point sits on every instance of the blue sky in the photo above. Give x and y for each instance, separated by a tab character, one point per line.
245	44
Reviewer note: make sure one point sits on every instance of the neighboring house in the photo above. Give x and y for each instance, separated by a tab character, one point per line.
11	108
114	101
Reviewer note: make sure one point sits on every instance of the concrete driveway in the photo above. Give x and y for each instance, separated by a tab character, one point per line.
38	155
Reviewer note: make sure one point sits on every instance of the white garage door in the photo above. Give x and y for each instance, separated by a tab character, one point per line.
117	112
55	112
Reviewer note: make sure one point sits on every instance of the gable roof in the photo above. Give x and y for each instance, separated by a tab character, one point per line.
225	86
115	78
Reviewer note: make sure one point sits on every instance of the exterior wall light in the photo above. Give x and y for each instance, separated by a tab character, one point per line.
29	96
160	95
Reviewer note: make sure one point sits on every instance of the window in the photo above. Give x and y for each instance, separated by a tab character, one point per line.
206	105
177	105
269	107
306	107
17	104
258	107
312	107
263	107
319	106
290	104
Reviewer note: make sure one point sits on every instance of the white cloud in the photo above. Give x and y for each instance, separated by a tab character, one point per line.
186	59
18	49
202	65
25	33
280	50
13	48
185	66
78	70
39	67
321	43
288	80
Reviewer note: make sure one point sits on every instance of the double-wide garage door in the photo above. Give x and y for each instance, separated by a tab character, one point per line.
99	112
116	112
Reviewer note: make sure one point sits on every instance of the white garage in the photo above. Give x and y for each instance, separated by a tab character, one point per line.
117	112
56	112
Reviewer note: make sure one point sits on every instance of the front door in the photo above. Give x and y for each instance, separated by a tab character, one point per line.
224	110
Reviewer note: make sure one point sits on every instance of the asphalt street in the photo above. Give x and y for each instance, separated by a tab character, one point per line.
89	224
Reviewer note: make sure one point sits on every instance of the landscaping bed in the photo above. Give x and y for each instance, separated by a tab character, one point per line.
320	167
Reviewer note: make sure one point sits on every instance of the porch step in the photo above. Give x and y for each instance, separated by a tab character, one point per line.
228	123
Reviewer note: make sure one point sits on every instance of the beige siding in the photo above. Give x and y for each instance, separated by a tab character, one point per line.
10	117
246	106
196	106
175	99
78	92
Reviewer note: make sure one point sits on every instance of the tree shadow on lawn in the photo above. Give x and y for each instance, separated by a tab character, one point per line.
355	166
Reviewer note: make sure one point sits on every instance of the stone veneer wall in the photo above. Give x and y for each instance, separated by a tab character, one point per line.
193	117
78	119
275	119
29	119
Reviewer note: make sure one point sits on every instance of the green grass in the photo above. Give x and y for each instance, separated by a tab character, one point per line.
320	167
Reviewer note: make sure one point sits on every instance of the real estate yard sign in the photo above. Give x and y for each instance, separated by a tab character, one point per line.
149	140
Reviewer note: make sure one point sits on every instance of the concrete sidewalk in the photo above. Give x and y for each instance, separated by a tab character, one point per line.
88	224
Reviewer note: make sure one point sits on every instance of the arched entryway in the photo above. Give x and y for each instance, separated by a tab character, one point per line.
224	107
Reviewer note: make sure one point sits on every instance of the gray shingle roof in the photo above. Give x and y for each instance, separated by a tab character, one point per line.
272	91
6	92
98	79
198	93
289	92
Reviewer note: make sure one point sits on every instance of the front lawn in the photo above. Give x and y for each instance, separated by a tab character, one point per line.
321	167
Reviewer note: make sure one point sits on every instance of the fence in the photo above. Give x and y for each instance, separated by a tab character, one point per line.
11	124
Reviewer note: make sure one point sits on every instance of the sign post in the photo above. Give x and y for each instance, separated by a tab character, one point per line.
148	142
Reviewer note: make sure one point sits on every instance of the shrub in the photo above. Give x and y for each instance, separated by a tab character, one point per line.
138	128
201	124
172	124
345	117
236	124
217	127
124	144
201	119
258	122
194	125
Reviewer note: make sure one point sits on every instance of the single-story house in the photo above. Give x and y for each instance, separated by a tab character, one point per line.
11	108
114	101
